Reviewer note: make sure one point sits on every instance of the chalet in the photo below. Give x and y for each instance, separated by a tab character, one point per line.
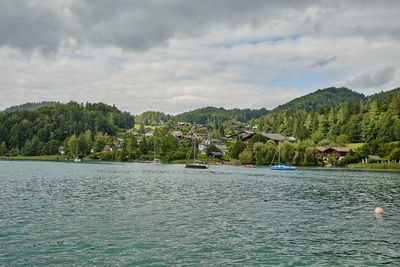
216	142
337	152
199	136
246	136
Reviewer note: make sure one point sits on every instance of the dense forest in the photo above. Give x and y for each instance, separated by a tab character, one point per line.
42	131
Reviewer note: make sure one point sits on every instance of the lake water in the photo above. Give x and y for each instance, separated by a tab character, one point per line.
121	214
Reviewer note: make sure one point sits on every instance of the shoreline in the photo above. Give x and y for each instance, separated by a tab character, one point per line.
58	158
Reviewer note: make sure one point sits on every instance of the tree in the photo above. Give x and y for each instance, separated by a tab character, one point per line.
342	140
3	149
317	137
395	154
245	157
255	139
237	148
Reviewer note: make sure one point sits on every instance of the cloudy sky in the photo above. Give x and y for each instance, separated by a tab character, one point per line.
177	55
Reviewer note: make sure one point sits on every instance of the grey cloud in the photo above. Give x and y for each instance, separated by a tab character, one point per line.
322	62
29	25
373	79
137	25
141	25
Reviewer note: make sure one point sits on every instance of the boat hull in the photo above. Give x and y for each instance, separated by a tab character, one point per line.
282	168
196	166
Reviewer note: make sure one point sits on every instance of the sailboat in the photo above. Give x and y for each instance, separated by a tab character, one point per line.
281	166
155	160
196	164
77	159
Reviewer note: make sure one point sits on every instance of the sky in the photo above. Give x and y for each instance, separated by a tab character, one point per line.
179	55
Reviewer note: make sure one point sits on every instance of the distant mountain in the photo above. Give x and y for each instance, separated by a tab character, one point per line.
212	114
326	98
29	106
383	95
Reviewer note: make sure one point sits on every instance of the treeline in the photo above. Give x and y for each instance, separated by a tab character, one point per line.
42	131
29	106
327	98
212	115
151	118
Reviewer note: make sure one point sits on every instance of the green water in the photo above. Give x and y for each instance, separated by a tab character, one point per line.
65	214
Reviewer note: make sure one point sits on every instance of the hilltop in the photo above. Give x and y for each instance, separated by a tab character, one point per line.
328	97
29	106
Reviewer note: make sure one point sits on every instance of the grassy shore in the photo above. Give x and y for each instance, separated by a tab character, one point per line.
44	157
377	166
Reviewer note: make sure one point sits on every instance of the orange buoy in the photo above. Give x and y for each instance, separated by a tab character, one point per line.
378	210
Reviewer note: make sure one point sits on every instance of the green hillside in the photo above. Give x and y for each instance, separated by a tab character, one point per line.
29	106
329	97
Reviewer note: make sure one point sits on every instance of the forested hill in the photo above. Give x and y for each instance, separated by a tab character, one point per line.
46	128
383	95
329	97
29	106
219	115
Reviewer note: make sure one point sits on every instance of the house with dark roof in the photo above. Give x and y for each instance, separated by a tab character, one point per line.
337	152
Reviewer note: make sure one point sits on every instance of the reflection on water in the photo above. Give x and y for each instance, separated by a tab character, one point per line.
115	214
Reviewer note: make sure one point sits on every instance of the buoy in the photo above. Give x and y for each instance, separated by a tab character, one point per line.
378	210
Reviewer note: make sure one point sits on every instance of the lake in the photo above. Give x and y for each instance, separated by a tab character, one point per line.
120	214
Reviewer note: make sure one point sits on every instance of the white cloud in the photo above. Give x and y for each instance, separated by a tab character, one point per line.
178	55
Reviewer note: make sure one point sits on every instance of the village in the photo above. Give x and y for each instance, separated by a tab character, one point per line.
212	146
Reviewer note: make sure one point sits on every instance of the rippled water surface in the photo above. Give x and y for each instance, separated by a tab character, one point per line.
56	213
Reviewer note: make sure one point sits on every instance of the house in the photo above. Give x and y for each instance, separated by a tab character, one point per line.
199	136
133	131
61	150
237	127
337	152
149	132
177	134
216	142
107	148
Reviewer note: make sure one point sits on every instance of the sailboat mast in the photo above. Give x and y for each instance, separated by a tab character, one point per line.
279	152
194	150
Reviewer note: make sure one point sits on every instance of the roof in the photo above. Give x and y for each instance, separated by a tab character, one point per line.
374	157
322	148
341	149
275	137
216	153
